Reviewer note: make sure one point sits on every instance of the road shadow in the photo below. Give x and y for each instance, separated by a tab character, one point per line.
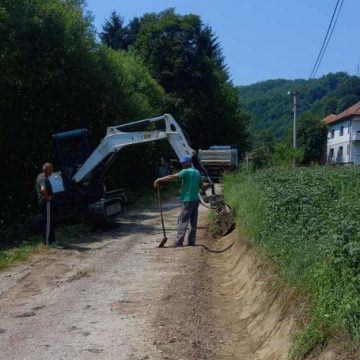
140	217
81	249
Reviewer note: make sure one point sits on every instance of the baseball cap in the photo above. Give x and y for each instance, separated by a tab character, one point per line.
185	159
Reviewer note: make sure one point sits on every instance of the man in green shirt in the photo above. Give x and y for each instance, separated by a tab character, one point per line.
45	196
191	183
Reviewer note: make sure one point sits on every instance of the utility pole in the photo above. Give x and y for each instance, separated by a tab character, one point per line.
294	94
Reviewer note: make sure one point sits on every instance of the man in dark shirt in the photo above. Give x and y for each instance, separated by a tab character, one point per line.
45	196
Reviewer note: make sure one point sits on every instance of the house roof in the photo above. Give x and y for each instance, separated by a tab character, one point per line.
351	111
329	118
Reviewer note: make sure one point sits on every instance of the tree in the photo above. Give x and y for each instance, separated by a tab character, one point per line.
346	102
284	155
185	57
114	32
264	150
330	105
312	138
132	32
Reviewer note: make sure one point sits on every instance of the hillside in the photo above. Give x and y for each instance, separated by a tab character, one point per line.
271	107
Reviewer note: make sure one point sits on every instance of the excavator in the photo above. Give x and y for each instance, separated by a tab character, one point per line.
79	185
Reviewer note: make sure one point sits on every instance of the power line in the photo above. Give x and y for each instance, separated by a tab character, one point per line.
324	41
327	43
327	37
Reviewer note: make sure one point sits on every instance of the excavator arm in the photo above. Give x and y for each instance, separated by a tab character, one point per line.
117	138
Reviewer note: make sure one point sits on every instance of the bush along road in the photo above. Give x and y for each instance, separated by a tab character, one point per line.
306	221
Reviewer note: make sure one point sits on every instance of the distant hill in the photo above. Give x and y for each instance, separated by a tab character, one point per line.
271	107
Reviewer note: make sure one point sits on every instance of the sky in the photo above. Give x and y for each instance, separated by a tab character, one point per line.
263	39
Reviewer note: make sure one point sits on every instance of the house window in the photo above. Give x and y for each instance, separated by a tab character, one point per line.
332	134
342	131
331	154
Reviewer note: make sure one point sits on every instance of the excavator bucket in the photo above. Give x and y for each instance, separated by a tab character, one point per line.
224	213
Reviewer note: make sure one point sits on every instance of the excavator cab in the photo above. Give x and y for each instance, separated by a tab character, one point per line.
72	148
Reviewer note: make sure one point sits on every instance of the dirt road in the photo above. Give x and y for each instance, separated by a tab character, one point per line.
117	296
108	298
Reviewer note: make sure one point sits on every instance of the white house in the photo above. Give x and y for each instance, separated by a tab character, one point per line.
343	144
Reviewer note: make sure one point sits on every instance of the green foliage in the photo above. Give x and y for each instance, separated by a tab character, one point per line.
311	144
214	225
264	150
185	57
12	256
285	155
306	220
312	138
271	107
114	32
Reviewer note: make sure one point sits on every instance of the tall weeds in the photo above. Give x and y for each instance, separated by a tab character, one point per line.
307	220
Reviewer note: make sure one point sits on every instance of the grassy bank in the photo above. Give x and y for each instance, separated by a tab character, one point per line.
307	221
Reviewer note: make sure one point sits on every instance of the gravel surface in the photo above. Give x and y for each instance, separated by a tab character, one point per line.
118	296
108	298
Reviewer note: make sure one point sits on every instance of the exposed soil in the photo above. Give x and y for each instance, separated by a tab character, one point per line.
118	296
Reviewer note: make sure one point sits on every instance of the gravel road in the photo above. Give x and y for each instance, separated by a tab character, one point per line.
115	296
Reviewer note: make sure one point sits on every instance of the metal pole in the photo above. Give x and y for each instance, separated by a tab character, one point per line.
294	130
294	123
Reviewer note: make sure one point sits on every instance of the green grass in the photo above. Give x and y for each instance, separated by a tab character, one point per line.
30	244
18	254
214	226
306	221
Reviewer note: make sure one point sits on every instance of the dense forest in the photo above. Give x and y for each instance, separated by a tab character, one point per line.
271	107
57	74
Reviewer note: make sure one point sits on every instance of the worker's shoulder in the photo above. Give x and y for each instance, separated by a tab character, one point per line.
196	171
188	172
40	177
191	171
